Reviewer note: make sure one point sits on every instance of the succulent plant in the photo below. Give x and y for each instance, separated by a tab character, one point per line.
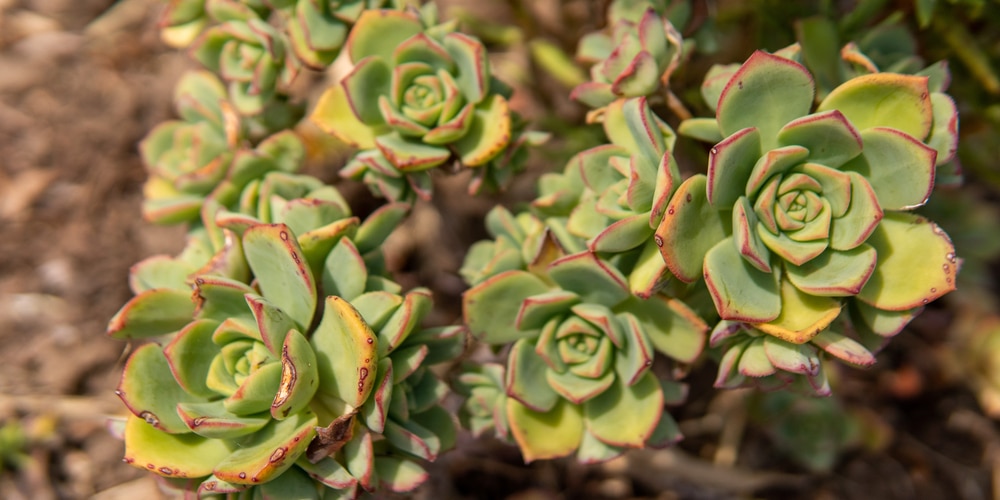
803	208
251	56
423	95
206	154
263	376
582	346
634	59
187	158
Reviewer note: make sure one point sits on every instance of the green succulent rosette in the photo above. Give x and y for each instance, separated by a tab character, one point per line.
422	95
206	153
578	370
267	384
187	158
806	209
634	58
252	57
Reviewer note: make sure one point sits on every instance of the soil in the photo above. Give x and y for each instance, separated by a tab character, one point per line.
80	85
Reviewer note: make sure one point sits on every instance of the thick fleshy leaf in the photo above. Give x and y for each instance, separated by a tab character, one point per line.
190	354
671	326
593	94
689	229
728	376
409	155
256	392
525	373
794	358
329	472
376	409
378	225
376	307
160	271
916	263
729	166
333	114
543	435
702	129
399	474
715	81
578	389
845	348
626	415
745	236
637	356
890	100
641	77
416	304
490	307
593	450
412	438
270	451
829	137
740	291
152	313
378	33
649	273
882	322
346	353
861	218
802	316
899	168
472	65
406	361
773	162
623	235
359	456
834	273
299	376
944	132
489	133
272	323
441	423
211	420
171	455
754	361
150	392
766	92
592	279
539	309
282	272
222	299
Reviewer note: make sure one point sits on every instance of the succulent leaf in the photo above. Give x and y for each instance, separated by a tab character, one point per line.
269	452
282	273
562	428
171	455
906	275
346	353
901	102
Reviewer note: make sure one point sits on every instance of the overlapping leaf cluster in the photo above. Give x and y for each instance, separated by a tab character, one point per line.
296	364
280	358
804	214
